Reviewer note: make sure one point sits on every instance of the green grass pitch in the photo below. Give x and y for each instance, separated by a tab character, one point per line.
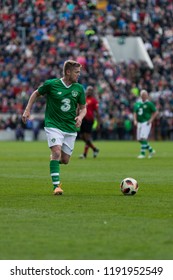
93	220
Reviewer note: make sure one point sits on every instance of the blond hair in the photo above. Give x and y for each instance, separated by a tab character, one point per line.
143	91
70	65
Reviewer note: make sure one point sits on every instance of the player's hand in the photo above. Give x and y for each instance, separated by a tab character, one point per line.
135	123
25	116
78	120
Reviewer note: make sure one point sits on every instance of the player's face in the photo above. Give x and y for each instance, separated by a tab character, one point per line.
74	75
144	96
89	91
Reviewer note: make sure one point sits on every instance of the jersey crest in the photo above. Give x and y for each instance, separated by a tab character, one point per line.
74	93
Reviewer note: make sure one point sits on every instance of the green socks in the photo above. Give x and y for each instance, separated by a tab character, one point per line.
54	172
145	146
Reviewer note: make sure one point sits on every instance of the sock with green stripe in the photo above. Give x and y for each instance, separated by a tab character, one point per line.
54	172
150	149
144	147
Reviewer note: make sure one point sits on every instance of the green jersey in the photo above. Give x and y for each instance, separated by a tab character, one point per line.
144	110
61	103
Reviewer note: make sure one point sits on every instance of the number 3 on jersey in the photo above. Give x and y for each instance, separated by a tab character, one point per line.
66	105
140	112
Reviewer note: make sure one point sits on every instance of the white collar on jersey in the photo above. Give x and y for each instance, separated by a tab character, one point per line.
65	83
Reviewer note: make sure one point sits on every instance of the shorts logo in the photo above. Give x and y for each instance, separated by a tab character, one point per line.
74	93
53	140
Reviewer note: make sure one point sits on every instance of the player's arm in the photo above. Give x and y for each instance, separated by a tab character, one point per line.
31	101
153	116
135	118
77	110
81	114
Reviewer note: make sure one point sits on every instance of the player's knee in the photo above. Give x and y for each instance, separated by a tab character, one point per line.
88	142
64	160
55	155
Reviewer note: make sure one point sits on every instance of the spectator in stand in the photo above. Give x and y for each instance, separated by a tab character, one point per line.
19	132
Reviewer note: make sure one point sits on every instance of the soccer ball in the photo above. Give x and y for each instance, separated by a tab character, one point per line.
129	186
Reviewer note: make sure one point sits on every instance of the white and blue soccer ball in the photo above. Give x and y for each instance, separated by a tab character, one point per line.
129	186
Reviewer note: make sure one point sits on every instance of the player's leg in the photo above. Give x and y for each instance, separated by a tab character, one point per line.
142	134
148	146
144	145
92	146
67	147
86	147
55	168
89	144
138	136
151	151
55	139
84	137
68	141
88	139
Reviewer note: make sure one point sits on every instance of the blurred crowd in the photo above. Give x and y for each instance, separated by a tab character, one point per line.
37	36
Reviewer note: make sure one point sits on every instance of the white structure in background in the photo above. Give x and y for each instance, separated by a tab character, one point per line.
9	135
124	48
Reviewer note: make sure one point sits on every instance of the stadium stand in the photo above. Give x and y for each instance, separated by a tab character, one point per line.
36	36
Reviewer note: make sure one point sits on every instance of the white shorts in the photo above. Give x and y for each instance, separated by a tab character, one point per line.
64	139
143	130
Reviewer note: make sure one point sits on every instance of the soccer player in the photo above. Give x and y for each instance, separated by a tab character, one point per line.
87	123
144	114
63	97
